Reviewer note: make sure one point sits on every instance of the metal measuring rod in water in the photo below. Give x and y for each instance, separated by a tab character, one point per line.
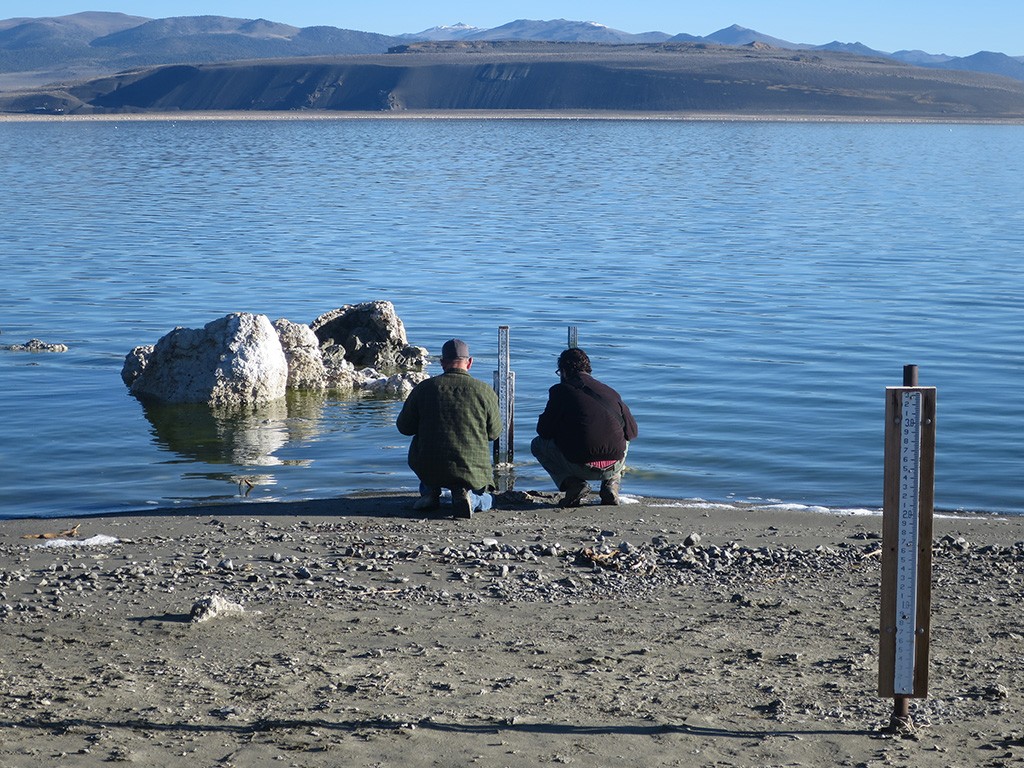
505	386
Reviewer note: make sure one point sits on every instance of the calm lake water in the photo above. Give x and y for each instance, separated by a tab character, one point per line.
750	288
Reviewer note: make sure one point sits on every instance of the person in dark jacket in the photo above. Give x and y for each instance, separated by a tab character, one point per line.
583	433
452	419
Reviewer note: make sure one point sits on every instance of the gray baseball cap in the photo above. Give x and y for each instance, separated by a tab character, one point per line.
454	349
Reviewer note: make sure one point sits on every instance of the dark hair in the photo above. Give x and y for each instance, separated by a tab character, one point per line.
573	362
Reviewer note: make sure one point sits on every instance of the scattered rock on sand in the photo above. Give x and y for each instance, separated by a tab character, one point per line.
496	640
213	607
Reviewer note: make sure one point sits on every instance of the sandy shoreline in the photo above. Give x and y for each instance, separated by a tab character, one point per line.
239	115
370	635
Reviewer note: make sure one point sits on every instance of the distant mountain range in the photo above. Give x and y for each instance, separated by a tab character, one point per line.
103	63
36	51
561	30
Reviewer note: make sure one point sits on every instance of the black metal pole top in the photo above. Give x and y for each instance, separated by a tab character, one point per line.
909	375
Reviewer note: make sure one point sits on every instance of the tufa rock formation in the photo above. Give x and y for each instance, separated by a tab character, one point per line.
244	360
302	352
371	334
35	345
236	360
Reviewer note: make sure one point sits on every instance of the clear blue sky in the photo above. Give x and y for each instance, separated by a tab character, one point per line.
954	27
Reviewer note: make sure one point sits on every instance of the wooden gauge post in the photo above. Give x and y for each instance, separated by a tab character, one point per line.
906	545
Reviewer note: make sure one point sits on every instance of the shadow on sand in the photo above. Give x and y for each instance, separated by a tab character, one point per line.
380	505
493	727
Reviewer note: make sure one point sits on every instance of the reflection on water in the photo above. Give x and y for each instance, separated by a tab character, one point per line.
248	437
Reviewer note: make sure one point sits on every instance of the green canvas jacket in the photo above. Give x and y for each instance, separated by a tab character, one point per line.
453	418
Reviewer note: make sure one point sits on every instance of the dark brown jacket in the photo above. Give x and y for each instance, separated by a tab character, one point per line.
587	420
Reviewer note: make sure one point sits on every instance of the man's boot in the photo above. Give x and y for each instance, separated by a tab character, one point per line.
610	492
576	490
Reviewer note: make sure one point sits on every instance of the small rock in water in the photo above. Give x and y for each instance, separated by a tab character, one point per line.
35	345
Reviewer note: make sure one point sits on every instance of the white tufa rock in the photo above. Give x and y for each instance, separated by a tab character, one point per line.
35	345
213	607
234	361
99	540
396	385
243	360
302	351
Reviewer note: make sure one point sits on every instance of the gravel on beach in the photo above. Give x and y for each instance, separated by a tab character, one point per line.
357	632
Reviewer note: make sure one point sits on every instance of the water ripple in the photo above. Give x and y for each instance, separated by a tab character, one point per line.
751	290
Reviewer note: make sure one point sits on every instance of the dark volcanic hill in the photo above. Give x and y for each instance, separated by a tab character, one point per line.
692	78
64	48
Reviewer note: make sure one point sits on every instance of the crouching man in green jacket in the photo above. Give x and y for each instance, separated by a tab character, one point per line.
453	419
